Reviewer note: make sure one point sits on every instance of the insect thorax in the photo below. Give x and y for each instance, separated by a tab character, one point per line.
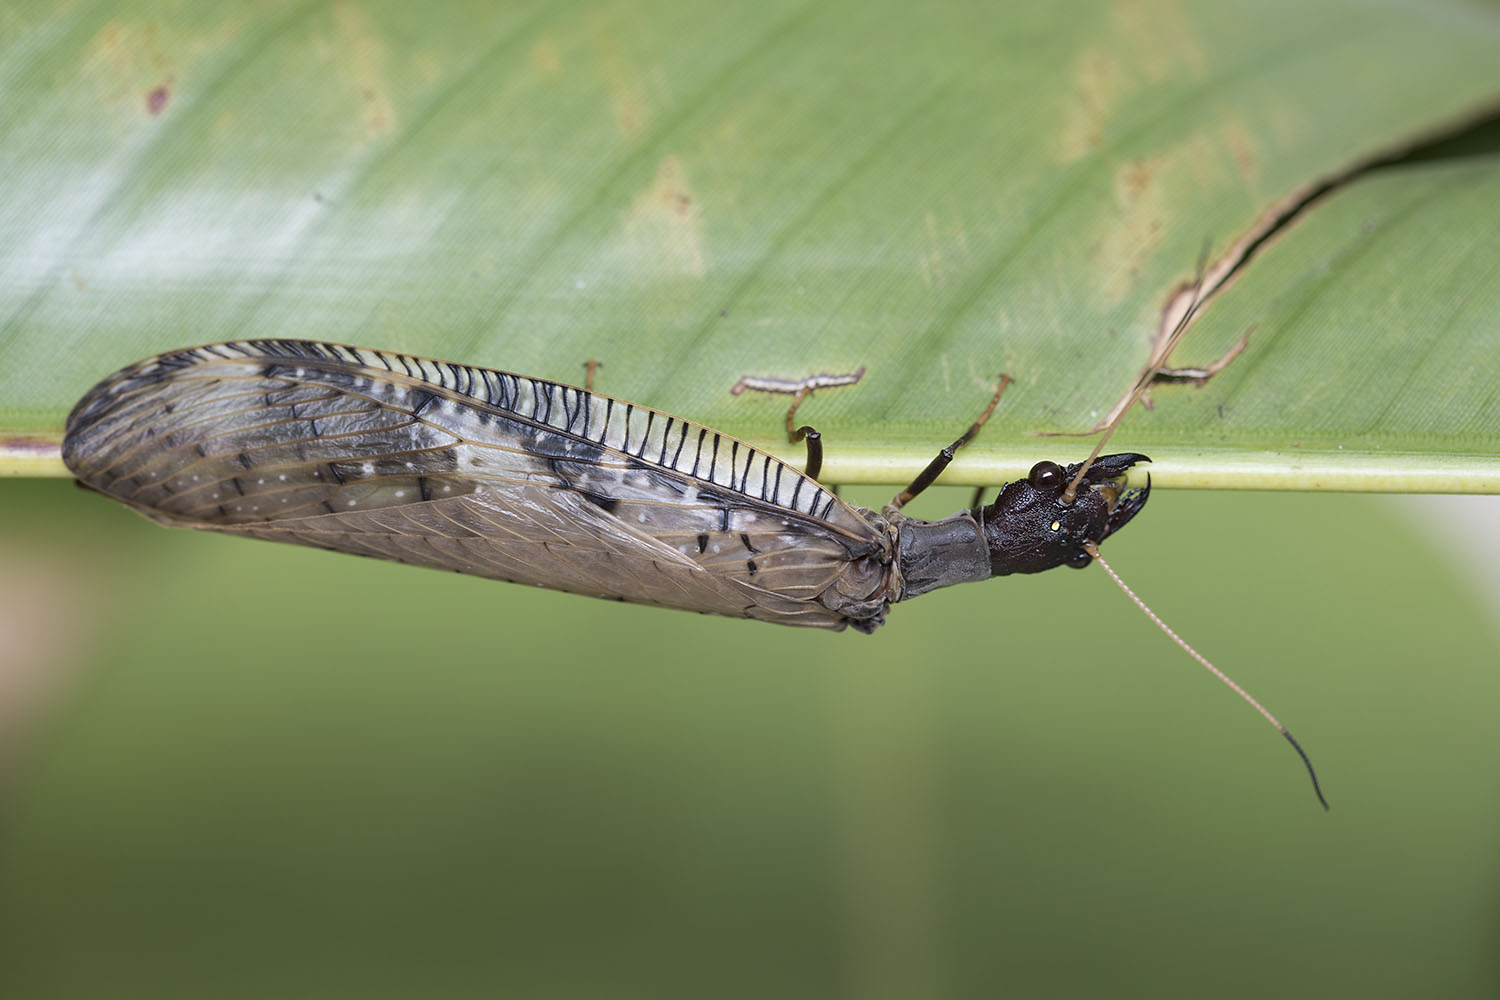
933	554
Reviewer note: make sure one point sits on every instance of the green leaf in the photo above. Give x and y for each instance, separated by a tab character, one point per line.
691	193
1371	357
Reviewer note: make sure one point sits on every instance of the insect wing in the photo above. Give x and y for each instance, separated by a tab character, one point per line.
466	469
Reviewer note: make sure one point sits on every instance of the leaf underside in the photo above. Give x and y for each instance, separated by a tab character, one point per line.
691	194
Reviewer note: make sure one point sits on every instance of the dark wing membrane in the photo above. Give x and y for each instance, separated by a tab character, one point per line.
467	469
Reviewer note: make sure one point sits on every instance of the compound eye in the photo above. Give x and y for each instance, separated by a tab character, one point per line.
1081	560
1045	476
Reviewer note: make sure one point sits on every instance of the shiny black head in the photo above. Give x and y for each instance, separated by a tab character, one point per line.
1029	528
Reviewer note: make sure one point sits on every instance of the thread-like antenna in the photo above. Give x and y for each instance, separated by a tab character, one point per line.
1093	550
1156	362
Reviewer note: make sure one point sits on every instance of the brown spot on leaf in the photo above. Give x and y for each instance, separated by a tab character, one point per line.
29	445
545	58
628	82
1134	179
364	55
156	101
664	222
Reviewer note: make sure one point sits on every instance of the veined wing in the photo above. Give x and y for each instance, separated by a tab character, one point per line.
469	469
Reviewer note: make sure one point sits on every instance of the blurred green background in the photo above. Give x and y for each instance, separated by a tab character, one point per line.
253	771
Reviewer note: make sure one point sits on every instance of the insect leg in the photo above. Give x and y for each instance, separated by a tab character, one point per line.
800	389
765	383
935	467
805	433
588	381
1200	376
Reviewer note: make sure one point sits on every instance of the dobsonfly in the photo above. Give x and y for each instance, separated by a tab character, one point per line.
531	481
526	480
